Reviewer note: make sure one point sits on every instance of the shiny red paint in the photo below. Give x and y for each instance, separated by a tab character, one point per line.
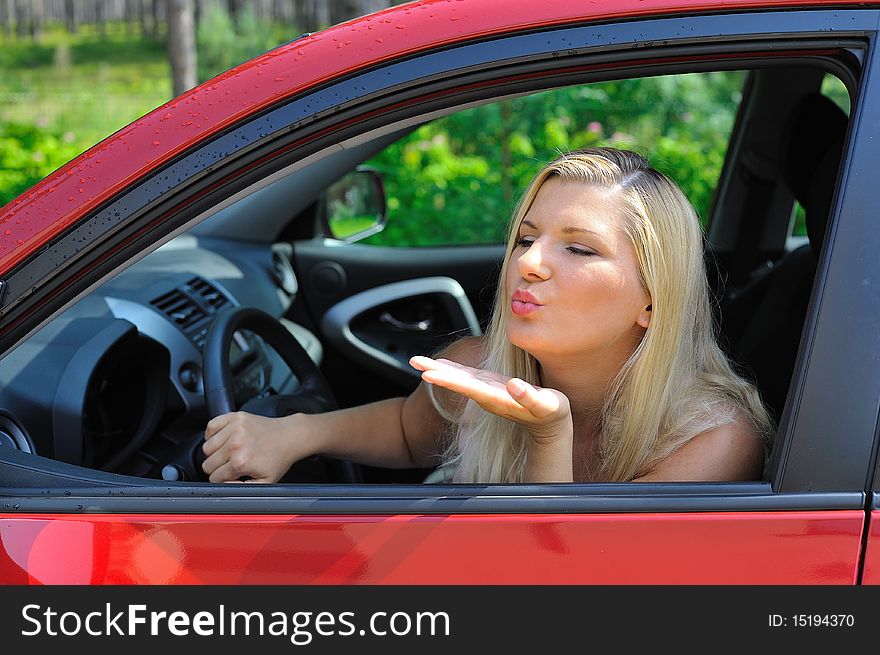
871	571
42	213
687	548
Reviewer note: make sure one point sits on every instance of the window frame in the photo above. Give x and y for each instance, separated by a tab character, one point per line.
158	208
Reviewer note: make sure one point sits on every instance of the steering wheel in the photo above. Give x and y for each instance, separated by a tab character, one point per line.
312	397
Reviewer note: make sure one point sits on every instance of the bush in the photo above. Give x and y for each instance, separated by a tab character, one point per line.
27	155
456	180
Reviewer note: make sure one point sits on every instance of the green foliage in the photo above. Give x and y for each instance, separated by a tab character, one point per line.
27	155
456	180
223	43
76	90
69	91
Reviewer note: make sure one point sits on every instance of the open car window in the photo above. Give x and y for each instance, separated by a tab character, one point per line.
455	180
115	382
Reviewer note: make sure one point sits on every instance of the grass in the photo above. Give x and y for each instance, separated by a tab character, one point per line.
82	87
64	93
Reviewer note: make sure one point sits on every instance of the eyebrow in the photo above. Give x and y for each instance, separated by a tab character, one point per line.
570	229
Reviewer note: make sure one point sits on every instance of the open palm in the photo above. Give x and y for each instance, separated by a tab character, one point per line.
541	410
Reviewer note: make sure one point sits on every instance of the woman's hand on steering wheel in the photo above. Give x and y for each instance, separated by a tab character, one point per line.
246	445
241	445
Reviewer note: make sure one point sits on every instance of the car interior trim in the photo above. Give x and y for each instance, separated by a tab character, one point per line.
429	499
337	324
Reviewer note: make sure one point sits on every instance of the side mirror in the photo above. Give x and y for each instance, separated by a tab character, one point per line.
355	205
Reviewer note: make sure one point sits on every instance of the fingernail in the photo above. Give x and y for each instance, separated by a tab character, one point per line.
518	387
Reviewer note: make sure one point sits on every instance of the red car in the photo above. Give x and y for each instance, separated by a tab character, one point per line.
248	196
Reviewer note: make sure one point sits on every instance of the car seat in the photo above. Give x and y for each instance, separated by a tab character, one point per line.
771	311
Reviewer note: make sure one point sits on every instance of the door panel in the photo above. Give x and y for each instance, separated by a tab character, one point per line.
800	547
871	572
339	283
385	326
330	271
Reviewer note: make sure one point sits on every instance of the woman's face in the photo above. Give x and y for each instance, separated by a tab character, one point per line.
573	278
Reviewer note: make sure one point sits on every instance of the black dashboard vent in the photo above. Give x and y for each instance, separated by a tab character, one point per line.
191	307
210	296
180	308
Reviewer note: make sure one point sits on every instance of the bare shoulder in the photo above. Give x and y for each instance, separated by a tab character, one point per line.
729	452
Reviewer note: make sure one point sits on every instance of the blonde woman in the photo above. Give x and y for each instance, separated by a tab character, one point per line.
599	365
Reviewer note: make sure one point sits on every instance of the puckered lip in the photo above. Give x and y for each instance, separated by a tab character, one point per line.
524	296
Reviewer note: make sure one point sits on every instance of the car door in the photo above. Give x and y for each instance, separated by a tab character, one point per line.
377	306
802	523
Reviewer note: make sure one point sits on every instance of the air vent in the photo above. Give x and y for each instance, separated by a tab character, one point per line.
210	296
191	307
180	308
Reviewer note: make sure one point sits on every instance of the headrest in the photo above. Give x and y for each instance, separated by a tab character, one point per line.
812	145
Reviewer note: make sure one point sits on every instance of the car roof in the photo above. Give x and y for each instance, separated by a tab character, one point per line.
75	190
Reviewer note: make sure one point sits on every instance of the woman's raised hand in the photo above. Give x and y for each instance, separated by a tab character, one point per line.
544	412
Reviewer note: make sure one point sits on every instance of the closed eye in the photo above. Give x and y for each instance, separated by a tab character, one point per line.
580	251
524	242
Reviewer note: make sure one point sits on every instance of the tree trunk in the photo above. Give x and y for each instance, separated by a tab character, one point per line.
322	14
342	10
21	22
129	16
6	18
301	15
101	17
232	6
38	9
280	11
70	21
146	17
182	45
154	18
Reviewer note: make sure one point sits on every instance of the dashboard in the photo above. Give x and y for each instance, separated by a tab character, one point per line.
115	382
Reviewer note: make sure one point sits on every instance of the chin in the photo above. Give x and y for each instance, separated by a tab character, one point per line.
527	340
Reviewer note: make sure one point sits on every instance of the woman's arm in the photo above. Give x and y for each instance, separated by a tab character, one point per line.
393	433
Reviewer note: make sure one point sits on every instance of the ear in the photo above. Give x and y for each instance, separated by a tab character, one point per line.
644	317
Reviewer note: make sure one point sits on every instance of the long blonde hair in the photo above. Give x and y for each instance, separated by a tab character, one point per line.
676	384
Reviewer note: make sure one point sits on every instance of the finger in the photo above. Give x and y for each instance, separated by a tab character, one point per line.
212	444
541	403
216	424
225	473
450	378
489	393
477	374
423	363
455	369
214	462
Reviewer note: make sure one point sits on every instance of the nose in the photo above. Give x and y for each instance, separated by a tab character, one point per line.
531	264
